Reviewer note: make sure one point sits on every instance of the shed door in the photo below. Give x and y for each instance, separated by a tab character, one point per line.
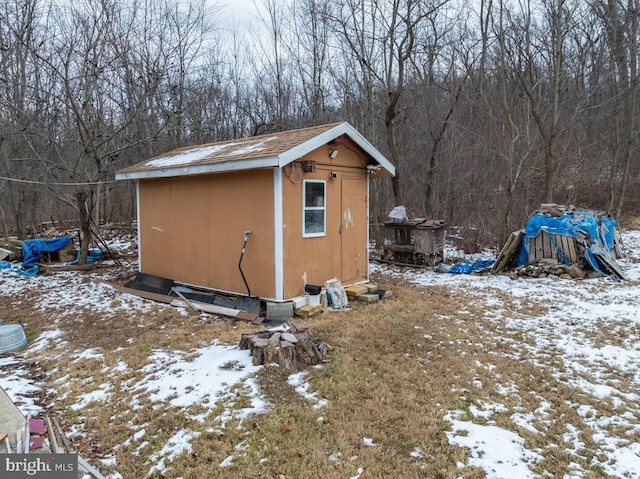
354	226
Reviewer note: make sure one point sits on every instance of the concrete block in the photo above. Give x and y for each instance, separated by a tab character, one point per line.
279	310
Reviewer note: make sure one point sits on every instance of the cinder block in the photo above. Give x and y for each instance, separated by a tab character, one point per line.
279	310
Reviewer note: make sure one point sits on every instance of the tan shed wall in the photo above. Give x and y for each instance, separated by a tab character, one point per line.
191	230
343	256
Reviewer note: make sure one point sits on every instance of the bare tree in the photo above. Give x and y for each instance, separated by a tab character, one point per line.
310	49
25	96
620	23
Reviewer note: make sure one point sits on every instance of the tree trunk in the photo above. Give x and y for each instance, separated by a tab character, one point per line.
85	225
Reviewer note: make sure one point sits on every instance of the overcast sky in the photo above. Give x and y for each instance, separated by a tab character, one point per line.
239	10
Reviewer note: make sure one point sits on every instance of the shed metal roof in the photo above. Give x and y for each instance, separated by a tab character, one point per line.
264	151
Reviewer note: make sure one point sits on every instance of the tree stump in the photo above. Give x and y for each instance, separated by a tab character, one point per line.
293	350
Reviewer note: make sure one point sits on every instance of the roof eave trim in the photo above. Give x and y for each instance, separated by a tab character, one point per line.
191	170
323	138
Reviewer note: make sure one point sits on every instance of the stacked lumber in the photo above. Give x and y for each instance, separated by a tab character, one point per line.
293	349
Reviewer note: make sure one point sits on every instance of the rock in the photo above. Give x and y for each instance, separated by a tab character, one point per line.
274	339
291	338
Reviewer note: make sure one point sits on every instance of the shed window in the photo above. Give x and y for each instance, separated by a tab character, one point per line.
313	208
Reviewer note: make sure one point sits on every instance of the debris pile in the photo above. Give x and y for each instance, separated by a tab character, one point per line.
563	241
293	349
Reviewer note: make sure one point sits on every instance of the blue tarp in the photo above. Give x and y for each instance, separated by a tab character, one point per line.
471	266
599	230
32	249
93	254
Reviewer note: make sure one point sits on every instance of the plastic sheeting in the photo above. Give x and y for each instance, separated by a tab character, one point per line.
469	267
33	249
599	229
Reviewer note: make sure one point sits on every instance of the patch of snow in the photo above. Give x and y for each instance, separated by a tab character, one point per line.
297	380
369	442
497	451
187	157
101	395
198	380
177	444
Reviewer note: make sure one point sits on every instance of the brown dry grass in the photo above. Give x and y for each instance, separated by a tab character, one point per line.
395	369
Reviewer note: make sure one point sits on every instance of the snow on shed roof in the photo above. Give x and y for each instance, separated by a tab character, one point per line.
270	150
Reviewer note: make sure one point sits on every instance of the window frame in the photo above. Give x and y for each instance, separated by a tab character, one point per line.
306	209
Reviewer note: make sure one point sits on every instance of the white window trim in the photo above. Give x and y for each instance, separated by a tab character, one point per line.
322	208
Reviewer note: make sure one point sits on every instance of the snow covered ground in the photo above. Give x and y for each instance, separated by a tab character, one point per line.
605	366
565	340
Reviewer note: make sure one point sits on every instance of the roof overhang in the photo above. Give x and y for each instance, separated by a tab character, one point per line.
220	167
277	161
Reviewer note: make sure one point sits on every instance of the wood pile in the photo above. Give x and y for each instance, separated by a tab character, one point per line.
559	252
544	270
294	349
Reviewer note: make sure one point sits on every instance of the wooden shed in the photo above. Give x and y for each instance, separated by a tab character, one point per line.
303	194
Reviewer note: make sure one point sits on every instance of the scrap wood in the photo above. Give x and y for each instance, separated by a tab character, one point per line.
48	267
206	307
57	449
84	466
162	298
221	310
508	252
60	444
65	441
181	296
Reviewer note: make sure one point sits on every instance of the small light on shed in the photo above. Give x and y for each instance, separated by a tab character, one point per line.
308	166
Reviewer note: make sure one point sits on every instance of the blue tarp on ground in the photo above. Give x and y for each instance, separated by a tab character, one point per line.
469	267
32	249
93	254
599	229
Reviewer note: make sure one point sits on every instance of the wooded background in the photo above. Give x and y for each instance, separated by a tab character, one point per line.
487	108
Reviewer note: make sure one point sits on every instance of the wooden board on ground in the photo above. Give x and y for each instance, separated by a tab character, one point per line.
356	290
508	252
221	310
50	268
206	307
162	298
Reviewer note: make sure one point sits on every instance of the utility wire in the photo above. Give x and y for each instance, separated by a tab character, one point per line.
33	182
